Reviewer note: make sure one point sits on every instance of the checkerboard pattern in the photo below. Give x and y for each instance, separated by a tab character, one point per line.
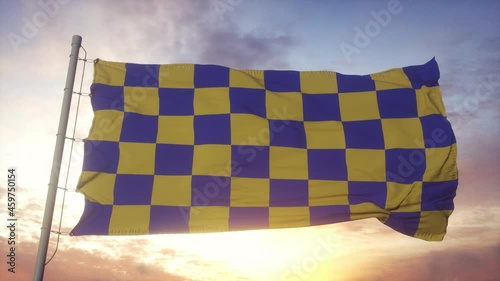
202	148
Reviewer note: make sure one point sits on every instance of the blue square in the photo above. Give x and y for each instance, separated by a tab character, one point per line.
241	218
249	101
106	97
405	165
139	128
364	134
423	75
404	222
287	133
210	191
101	156
250	161
397	103
437	131
210	76
169	219
438	196
173	159
367	192
289	193
133	189
176	101
142	75
95	219
327	164
323	107
321	215
212	129
354	83
282	80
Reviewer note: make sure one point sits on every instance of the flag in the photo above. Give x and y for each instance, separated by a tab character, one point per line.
185	148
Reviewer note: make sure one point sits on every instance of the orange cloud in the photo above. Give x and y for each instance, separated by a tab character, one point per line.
80	265
478	264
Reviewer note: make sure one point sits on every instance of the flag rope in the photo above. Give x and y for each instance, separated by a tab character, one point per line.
81	93
67	189
86	60
73	140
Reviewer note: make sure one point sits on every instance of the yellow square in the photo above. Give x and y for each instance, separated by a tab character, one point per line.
137	158
323	193
441	164
129	220
141	100
109	73
209	219
211	101
404	197
366	211
318	82
284	217
358	106
176	76
365	165
246	79
325	134
288	163
171	191
284	106
175	130
97	186
107	125
391	79
247	129
212	159
432	225
429	101
249	192
403	133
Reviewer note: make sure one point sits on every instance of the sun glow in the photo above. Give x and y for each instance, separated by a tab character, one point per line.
285	254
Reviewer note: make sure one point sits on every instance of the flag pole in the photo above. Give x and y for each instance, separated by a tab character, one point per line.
43	245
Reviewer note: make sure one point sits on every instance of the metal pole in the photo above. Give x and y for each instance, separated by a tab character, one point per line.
76	43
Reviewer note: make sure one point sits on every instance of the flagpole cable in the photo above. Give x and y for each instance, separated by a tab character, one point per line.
72	138
48	214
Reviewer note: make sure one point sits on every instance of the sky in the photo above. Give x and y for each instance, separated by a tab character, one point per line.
350	37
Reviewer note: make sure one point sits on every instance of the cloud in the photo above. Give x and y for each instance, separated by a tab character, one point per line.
80	265
479	264
470	86
246	51
160	32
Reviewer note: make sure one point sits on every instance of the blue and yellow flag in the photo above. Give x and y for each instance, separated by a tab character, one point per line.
204	148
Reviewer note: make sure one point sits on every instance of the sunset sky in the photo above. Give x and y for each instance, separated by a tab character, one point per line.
251	34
